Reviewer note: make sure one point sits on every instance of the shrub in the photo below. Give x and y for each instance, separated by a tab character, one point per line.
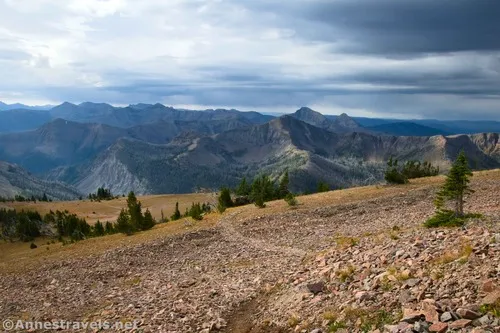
196	212
291	200
415	169
448	218
241	201
259	202
224	200
220	208
26	228
393	175
323	187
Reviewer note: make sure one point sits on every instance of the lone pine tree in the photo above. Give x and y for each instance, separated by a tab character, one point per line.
454	190
456	185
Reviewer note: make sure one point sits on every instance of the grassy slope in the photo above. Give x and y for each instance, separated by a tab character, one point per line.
109	210
17	256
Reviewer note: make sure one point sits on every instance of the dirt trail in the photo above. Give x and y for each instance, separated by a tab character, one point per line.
227	226
249	272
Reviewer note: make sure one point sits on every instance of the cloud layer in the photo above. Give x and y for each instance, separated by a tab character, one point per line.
391	58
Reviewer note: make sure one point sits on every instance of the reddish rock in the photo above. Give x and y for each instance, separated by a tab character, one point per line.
492	297
461	323
316	288
488	286
429	311
468	314
438	327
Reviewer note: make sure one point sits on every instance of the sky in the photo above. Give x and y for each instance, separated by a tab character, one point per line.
377	58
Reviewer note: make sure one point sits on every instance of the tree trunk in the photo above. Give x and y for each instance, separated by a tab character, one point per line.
460	205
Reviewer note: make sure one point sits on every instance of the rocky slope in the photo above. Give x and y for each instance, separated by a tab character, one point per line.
341	124
218	147
344	261
308	152
16	181
62	143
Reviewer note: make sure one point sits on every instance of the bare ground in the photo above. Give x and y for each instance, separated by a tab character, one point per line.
250	271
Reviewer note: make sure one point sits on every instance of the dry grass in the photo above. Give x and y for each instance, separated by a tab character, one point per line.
109	210
462	252
344	242
18	256
346	273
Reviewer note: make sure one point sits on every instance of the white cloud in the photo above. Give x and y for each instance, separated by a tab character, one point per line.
212	53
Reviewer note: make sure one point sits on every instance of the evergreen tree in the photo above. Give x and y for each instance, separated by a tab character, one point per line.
98	229
456	185
393	175
263	189
123	223
244	188
283	186
26	228
44	197
135	212
224	199
177	214
109	228
454	190
149	221
291	200
322	187
196	212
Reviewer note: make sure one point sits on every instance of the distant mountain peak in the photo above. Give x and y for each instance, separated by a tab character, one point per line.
87	104
67	104
305	109
346	122
310	116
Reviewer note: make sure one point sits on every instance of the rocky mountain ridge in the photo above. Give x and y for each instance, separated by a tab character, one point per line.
310	154
218	147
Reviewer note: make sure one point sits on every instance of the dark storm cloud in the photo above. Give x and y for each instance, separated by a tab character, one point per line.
395	27
404	58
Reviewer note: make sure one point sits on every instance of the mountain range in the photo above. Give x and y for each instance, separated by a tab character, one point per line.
157	149
19	117
17	106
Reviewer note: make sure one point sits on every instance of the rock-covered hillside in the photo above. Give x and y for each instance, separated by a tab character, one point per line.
14	180
308	152
177	151
355	260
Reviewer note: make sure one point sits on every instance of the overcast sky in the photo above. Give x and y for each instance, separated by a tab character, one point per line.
386	58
